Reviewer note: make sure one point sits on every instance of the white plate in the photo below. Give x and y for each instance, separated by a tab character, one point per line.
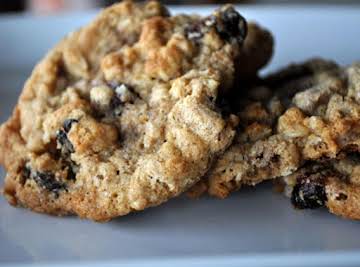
254	227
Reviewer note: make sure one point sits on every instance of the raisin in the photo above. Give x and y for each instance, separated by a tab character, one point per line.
275	158
341	197
354	156
47	180
68	123
309	194
231	25
25	174
66	146
72	168
71	175
62	139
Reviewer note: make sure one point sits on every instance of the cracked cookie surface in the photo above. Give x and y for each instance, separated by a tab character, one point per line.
302	123
122	115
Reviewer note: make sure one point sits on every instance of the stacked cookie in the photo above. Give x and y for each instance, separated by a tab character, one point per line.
301	124
139	106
